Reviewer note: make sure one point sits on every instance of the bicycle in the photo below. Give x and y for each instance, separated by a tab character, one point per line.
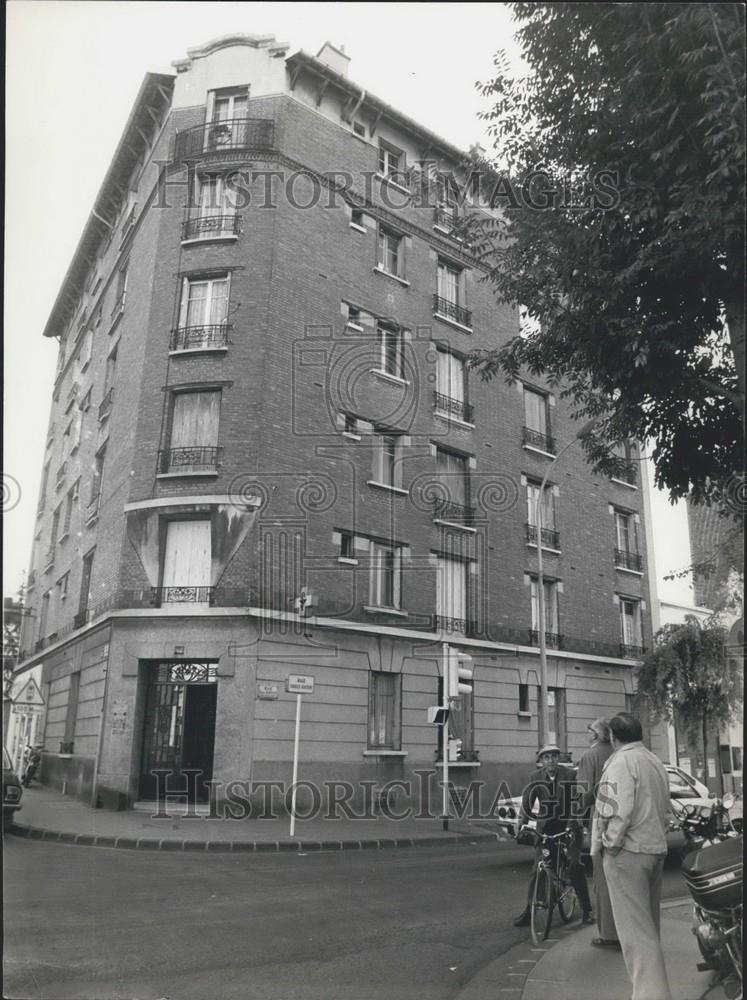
552	885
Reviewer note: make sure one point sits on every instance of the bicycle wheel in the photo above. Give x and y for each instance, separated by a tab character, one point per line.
543	899
566	893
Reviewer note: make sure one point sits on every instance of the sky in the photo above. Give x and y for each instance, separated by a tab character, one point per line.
73	70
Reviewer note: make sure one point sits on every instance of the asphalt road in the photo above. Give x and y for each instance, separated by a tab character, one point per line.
400	924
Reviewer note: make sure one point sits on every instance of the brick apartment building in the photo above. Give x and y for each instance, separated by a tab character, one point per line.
267	456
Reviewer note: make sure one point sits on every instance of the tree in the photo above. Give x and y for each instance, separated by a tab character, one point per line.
622	151
687	672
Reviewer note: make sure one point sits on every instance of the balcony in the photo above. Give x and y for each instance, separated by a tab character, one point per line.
450	310
450	407
550	537
211	337
208	227
628	560
552	639
218	137
461	626
536	439
181	595
81	618
105	406
632	652
188	460
455	513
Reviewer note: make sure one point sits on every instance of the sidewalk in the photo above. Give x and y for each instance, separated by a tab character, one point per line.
48	815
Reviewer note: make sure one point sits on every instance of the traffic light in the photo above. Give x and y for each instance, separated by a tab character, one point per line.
460	674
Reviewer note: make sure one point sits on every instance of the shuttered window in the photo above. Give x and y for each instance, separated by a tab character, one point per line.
195	420
187	556
384	729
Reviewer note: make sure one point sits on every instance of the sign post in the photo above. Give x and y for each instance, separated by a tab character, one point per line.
299	685
445	737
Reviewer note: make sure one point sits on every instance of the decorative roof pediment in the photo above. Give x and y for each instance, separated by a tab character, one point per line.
226	41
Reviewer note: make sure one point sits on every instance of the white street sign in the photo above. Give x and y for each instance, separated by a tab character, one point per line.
299	684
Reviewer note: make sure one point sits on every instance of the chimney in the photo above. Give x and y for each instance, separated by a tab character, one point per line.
334	57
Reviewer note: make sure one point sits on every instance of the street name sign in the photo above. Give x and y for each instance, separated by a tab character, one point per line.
299	684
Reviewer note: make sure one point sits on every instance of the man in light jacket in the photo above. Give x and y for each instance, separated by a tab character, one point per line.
632	815
590	769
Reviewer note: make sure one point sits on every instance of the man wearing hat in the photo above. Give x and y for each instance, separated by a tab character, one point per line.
551	787
590	769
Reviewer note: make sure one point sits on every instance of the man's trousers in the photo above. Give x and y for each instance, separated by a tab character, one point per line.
602	904
634	882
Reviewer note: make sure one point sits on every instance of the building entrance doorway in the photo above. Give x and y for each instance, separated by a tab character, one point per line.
179	729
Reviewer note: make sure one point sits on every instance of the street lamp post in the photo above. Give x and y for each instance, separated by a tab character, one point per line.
544	717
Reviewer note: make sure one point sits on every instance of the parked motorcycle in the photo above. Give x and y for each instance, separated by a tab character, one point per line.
31	760
712	866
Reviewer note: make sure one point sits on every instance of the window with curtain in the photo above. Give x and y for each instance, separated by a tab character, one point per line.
451	593
453	474
391	351
551	606
387	463
630	622
204	302
384	701
451	381
547	506
448	283
194	430
386	575
535	412
391	258
626	532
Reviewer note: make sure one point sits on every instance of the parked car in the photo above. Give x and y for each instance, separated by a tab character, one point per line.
12	790
678	778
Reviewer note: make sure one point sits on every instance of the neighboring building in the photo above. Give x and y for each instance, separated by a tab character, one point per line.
267	456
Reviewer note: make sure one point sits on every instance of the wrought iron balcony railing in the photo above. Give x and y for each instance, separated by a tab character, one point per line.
453	407
105	406
205	227
451	310
628	650
211	336
550	537
447	510
445	218
463	626
181	595
216	137
628	560
552	639
536	439
193	459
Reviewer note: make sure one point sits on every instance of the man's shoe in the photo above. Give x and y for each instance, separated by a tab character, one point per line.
587	918
523	920
605	943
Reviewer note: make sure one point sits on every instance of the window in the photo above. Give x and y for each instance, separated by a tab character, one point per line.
391	256
193	444
631	635
347	545
111	367
357	219
387	464
227	118
452	471
451	386
120	293
44	614
349	424
550	535
552	617
67	438
71	713
626	472
384	710
359	128
85	581
229	104
451	595
186	573
391	161
216	209
391	351
524	699
626	532
62	586
450	296
86	350
98	476
203	313
537	421
72	496
385	575
55	527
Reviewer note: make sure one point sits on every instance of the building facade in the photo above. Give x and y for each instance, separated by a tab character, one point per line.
268	456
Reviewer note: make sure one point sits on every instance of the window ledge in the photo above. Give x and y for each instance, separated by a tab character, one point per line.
455	524
621	569
388	377
524	715
453	420
197	350
545	548
538	451
386	486
63	536
360	229
453	322
350	436
346	561
375	610
458	763
394	184
226	238
349	325
185	474
621	482
395	277
385	753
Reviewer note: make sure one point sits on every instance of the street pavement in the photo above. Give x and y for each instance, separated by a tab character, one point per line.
222	913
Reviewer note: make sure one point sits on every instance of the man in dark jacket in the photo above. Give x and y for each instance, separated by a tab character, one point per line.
549	798
590	770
